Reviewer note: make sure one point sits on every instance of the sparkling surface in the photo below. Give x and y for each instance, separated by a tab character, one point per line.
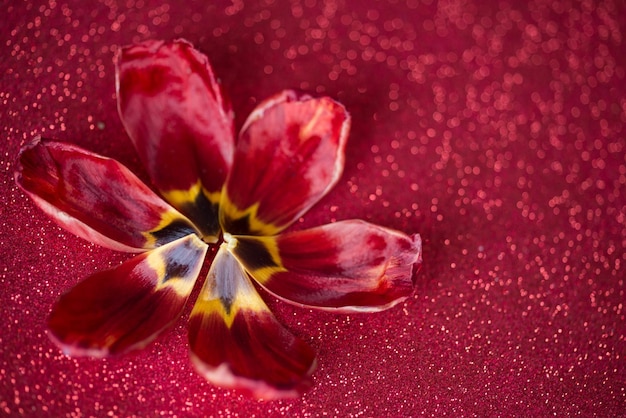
495	129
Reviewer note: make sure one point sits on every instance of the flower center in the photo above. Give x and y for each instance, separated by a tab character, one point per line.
230	241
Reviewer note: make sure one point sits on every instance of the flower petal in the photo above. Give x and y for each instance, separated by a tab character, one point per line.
173	110
236	342
125	308
290	153
97	198
345	266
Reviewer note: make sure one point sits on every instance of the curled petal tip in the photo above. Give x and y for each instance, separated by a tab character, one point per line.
71	350
223	376
418	259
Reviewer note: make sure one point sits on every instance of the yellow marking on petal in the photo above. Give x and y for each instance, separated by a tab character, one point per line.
182	197
181	285
233	213
262	274
244	302
166	219
213	197
157	263
305	130
239	294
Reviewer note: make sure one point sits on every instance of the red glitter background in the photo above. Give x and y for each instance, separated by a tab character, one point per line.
494	129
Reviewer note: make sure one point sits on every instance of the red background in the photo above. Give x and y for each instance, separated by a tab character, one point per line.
494	129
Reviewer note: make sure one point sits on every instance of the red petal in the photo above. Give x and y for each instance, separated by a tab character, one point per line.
345	266
236	342
290	153
97	198
123	309
173	110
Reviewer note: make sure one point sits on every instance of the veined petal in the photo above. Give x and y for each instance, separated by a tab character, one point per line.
97	198
290	153
173	110
125	308
345	266
236	342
